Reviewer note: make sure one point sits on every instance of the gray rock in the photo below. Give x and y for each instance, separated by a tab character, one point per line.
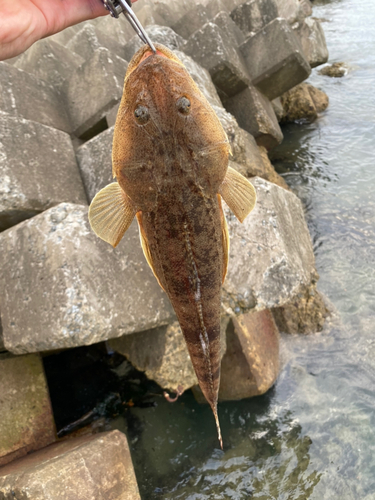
61	286
215	48
213	7
116	29
313	42
278	108
162	354
65	35
38	170
253	15
158	34
254	113
89	38
271	257
94	89
245	152
289	10
201	77
90	467
148	15
26	419
275	59
49	61
24	96
95	163
192	21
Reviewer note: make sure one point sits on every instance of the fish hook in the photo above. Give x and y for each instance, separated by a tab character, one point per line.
179	392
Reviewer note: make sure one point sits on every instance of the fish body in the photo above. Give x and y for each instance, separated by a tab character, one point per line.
170	159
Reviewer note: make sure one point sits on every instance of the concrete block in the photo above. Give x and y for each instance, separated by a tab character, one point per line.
213	7
192	21
26	420
160	353
38	170
201	77
24	96
274	236
49	61
90	467
148	15
94	89
215	48
250	365
158	34
65	35
313	42
254	113
269	173
275	59
61	286
253	15
89	38
289	10
95	163
116	29
278	108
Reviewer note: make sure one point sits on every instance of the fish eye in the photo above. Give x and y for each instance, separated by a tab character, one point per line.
183	105
142	114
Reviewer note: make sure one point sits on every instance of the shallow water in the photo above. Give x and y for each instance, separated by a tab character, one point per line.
313	435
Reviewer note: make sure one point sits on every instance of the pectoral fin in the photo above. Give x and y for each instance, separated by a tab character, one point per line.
238	193
146	248
225	240
110	214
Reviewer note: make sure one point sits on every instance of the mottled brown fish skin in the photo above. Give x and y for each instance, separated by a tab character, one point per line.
171	168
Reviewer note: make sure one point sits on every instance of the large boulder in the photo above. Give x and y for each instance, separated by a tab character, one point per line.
90	467
61	286
303	103
26	419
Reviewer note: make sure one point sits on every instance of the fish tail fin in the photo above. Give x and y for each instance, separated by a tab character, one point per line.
214	410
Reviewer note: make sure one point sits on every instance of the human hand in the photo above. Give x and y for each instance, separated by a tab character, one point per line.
23	22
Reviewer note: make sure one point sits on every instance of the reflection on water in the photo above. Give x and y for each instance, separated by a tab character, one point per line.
313	435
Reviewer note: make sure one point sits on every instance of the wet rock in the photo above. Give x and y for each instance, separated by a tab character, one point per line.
92	467
254	113
163	355
253	15
215	48
49	61
250	365
158	34
94	89
303	103
61	286
335	70
88	39
271	258
25	96
306	313
27	146
275	59
313	42
26	420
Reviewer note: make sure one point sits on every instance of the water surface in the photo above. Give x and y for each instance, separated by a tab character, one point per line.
313	435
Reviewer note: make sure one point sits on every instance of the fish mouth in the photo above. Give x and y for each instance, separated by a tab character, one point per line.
145	52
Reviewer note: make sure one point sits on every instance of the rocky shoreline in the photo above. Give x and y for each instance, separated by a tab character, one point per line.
61	287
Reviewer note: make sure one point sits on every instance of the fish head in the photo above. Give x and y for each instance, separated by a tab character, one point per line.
166	132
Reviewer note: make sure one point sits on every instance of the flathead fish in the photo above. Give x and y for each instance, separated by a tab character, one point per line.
170	159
